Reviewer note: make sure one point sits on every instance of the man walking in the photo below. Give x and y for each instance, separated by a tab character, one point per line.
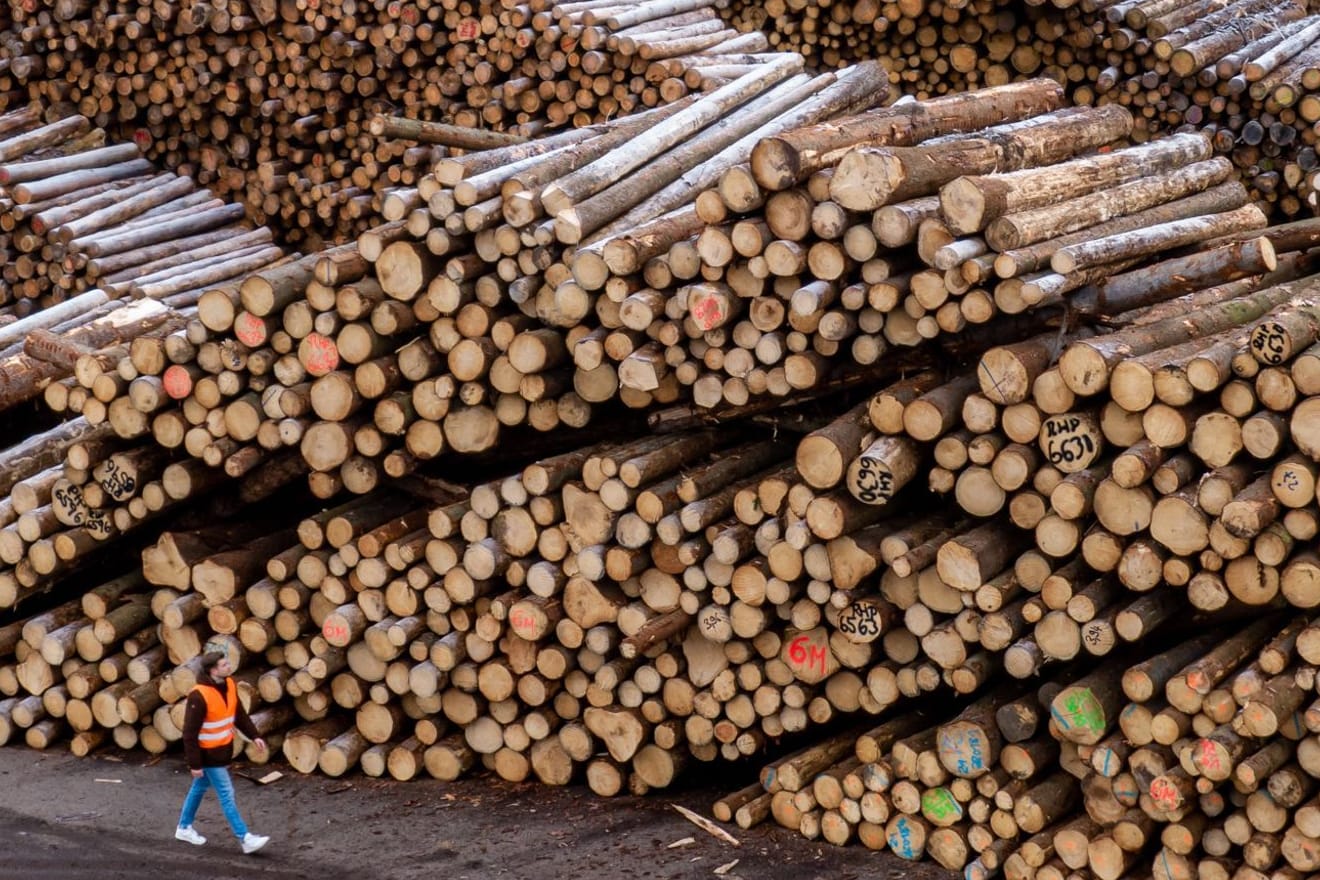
208	739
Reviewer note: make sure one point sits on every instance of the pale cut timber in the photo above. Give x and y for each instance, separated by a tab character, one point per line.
823	455
587	181
440	133
1182	275
451	170
586	216
1086	365
968	561
860	85
1008	373
883	469
1021	261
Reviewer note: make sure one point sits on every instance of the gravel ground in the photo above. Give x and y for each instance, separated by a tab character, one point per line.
113	816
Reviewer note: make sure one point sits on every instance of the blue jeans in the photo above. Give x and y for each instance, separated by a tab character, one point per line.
217	777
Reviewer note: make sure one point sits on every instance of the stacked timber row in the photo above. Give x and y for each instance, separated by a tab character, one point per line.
70	492
100	248
929	49
1160	453
105	257
619	610
108	663
1244	71
272	104
841	244
1196	761
1169	469
766	579
533	625
437	331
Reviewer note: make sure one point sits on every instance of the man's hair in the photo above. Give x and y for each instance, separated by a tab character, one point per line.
210	659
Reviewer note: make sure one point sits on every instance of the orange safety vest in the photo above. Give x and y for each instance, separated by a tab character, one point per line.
218	726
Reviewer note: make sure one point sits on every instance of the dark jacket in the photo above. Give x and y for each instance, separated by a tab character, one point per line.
220	756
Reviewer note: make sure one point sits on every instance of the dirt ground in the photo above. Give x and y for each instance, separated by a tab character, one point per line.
113	816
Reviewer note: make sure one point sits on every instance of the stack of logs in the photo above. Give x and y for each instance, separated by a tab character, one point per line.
99	249
274	104
930	49
1199	760
441	328
1106	363
1245	72
423	340
104	258
816	254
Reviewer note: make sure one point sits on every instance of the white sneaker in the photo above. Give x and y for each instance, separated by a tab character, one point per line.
252	842
188	834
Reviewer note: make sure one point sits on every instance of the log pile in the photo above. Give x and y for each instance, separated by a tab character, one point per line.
929	49
100	249
437	331
1168	471
1244	72
105	258
311	116
820	258
536	619
1099	352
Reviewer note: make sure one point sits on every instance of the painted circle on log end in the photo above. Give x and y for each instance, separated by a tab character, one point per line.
250	330
177	382
319	354
1079	716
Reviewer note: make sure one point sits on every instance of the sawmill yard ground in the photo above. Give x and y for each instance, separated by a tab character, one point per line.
112	816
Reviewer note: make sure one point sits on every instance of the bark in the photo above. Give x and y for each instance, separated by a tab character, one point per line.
1086	365
782	162
576	223
1129	245
970	203
595	177
440	133
1178	277
1020	261
451	170
971	559
1187	688
1225	42
869	177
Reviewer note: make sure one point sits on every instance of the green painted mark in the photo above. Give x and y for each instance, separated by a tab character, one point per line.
1079	710
939	804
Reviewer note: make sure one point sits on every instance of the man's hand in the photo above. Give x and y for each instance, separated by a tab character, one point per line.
197	774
